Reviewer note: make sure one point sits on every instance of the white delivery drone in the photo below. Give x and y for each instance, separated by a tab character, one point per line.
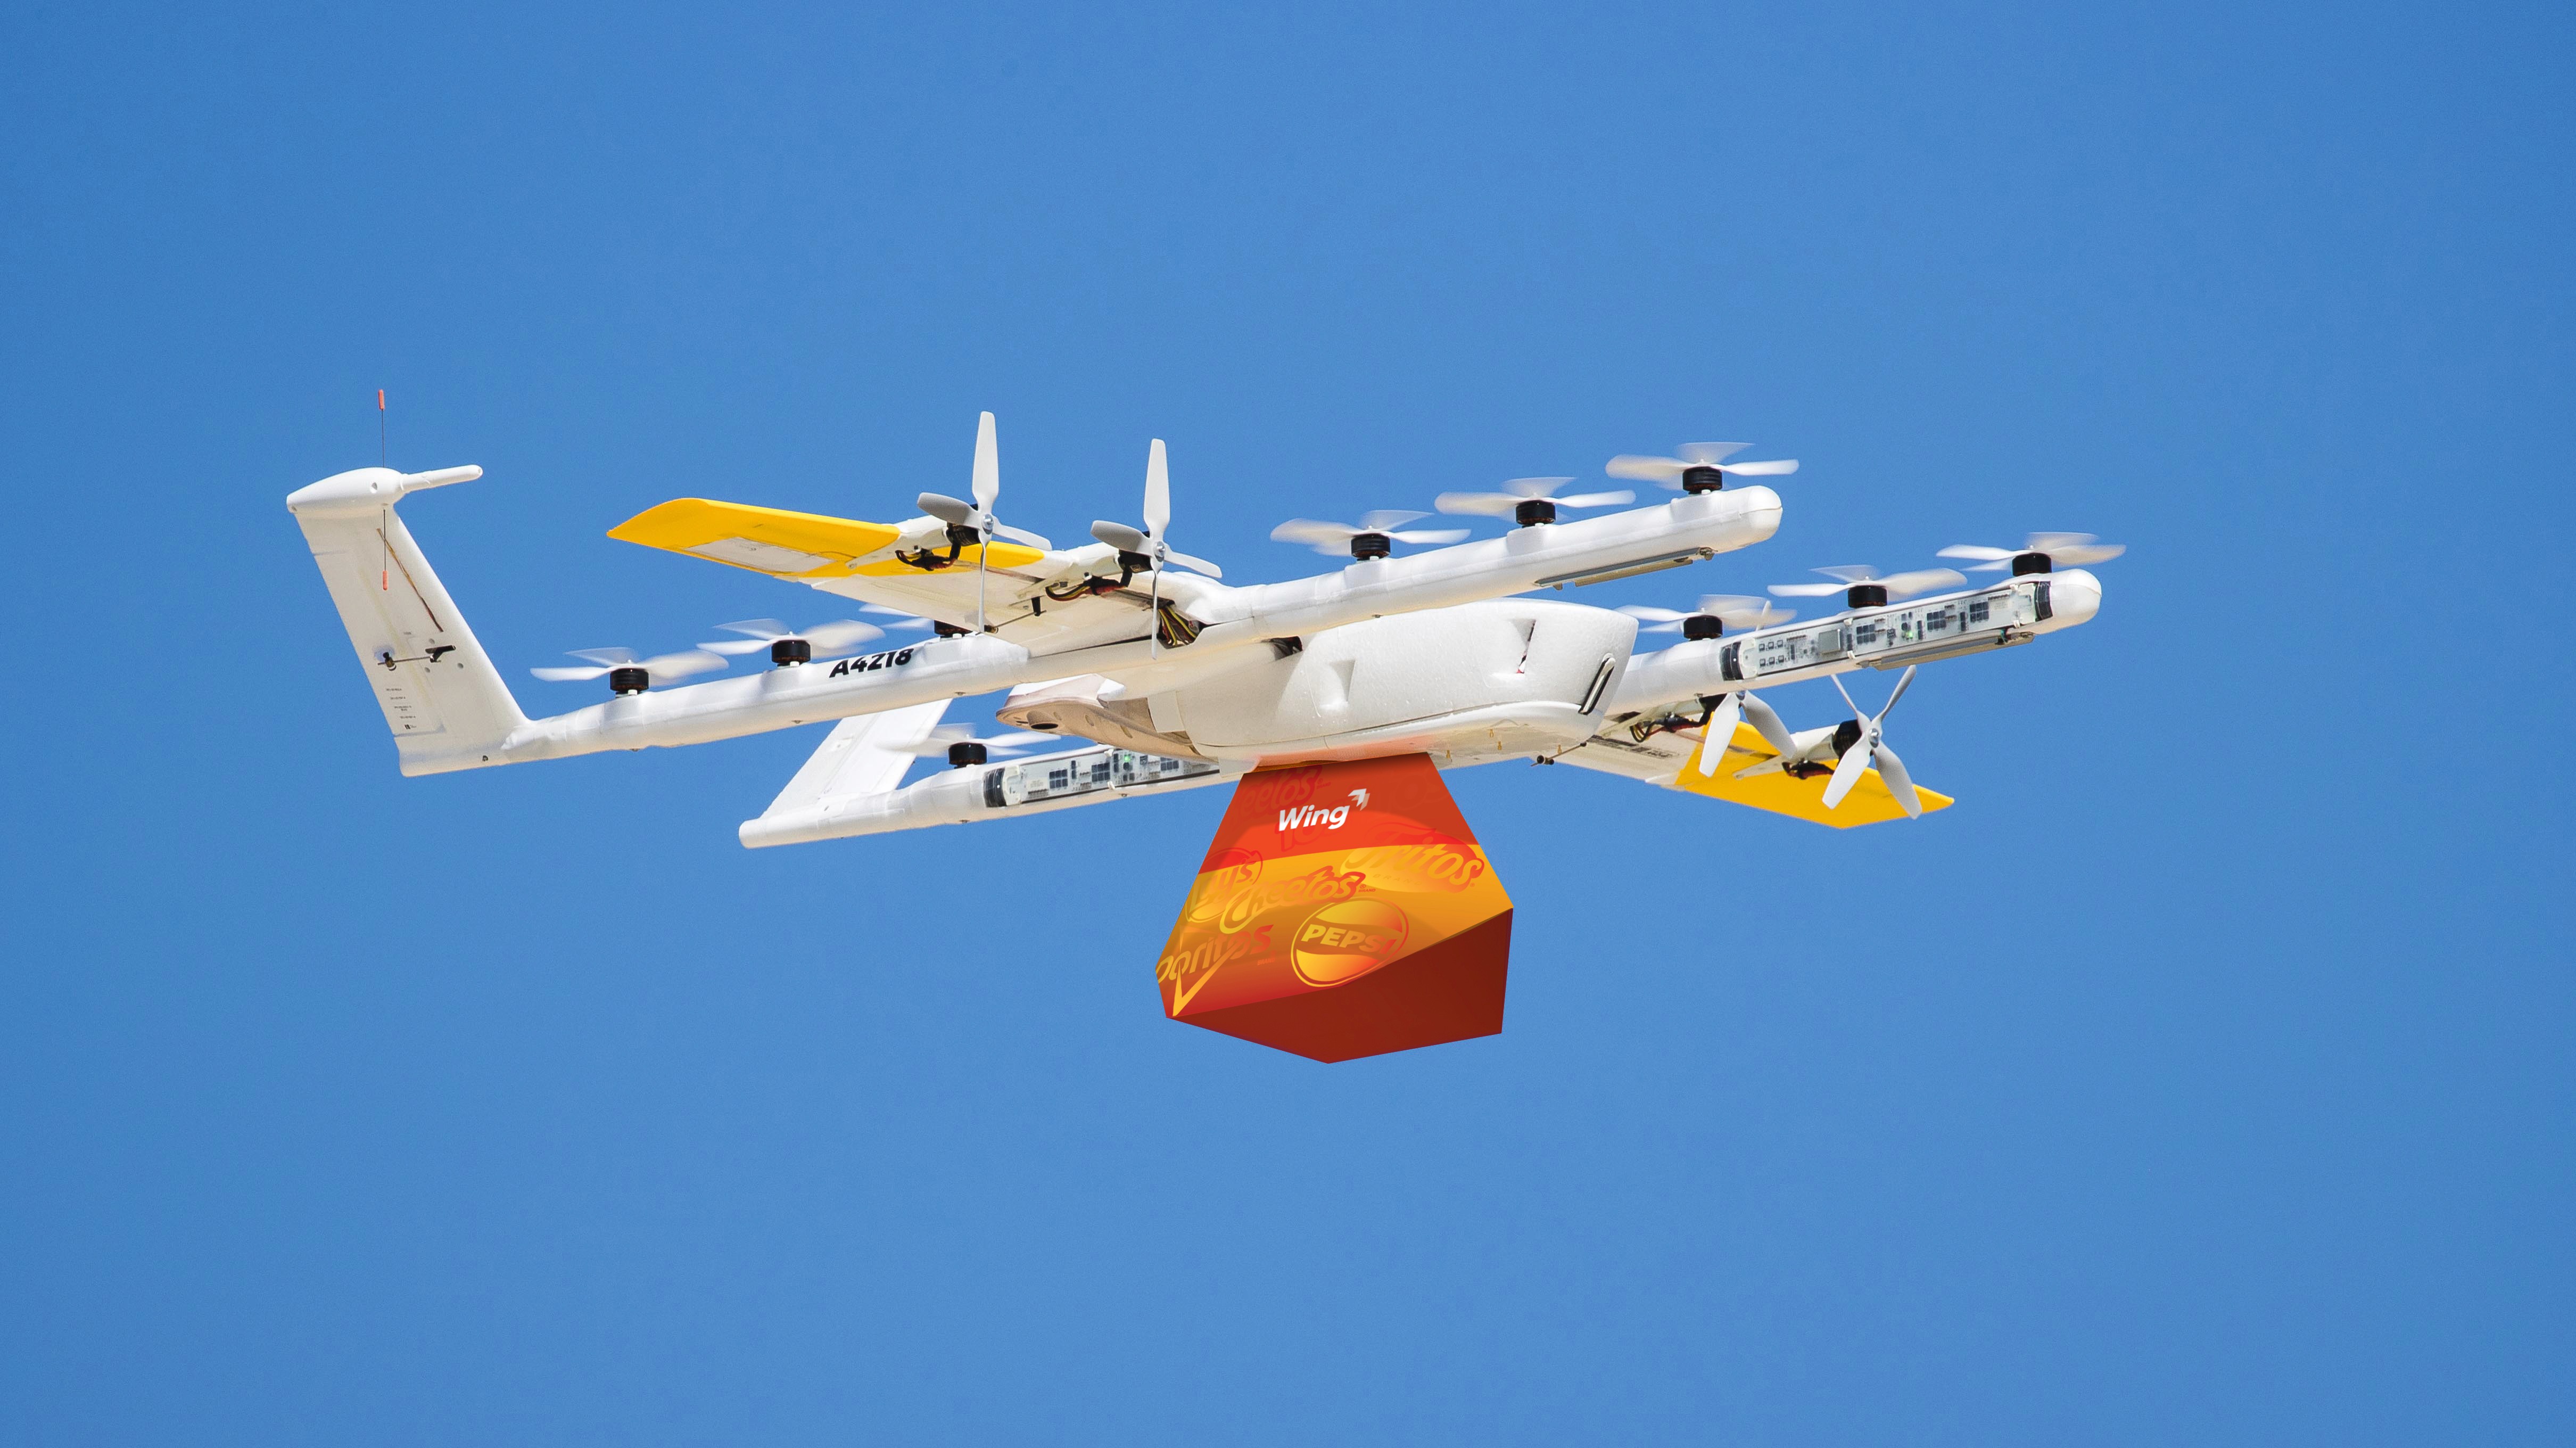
1345	909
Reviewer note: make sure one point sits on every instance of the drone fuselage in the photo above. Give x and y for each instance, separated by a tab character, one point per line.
1443	653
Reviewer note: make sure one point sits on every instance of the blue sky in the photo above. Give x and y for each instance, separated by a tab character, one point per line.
2203	1077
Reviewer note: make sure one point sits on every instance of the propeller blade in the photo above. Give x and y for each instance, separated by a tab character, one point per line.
763	629
615	658
1976	550
1651	613
1737	610
954	511
1018	739
1837	681
1023	535
567	675
1806	590
682	664
841	634
1427	535
1776	468
1921	580
1597	500
1891	772
1719	733
732	647
1846	774
1158	490
1709	454
1323	537
1768	722
1118	536
1527	488
1195	565
2084	553
1904	682
1386	520
1849	573
902	619
988	464
1637	468
2052	542
1491	505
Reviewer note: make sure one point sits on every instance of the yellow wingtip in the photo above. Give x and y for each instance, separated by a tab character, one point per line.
1868	803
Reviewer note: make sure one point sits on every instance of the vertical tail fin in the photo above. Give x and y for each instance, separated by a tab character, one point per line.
444	701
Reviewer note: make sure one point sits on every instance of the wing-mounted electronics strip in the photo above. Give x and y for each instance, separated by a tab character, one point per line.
858	793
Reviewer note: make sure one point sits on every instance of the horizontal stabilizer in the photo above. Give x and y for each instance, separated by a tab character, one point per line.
863	758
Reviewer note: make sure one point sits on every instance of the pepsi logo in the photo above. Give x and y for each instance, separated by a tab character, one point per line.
1347	939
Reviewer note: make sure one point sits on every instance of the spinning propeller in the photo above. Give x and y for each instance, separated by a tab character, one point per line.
974	522
1368	539
959	744
1865	587
900	618
1701	468
628	674
1527	501
823	640
2042	554
1717	612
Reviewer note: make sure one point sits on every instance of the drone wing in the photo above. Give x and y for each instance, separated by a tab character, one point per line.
1672	761
867	562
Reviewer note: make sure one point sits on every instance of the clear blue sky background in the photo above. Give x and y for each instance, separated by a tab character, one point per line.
2204	1077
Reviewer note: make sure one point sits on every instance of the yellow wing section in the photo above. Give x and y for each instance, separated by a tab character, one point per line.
1784	793
807	547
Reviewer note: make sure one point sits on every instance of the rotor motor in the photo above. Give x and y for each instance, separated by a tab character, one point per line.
629	681
1702	479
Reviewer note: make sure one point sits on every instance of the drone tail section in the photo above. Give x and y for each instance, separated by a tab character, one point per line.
441	696
1344	910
